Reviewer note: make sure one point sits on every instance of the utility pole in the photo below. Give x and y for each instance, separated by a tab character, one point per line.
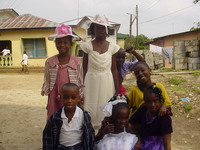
136	39
130	28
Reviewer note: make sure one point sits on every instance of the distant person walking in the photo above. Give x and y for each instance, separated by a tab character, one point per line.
25	62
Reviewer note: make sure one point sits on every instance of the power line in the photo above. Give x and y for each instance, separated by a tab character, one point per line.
150	7
172	17
7	4
167	14
19	3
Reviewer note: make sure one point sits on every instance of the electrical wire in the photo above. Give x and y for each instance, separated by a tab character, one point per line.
171	18
167	14
19	4
147	9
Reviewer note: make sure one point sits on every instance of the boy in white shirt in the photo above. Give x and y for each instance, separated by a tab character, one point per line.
70	127
25	62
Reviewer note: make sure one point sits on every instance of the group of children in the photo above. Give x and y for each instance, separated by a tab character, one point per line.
138	121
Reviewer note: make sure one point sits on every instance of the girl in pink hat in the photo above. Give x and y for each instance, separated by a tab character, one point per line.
61	68
99	69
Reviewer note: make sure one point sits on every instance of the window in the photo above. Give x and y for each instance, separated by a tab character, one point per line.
35	47
6	45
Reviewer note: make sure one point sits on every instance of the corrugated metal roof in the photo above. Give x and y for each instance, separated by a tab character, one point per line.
10	11
27	21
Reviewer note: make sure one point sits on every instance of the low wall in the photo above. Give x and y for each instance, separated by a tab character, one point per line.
186	55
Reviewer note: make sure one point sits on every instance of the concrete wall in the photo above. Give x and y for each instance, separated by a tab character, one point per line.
154	60
186	55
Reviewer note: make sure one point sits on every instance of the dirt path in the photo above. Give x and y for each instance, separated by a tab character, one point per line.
23	114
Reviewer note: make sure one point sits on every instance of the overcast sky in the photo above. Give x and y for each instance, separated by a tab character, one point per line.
156	17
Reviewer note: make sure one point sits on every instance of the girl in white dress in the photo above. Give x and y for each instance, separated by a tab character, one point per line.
112	135
99	69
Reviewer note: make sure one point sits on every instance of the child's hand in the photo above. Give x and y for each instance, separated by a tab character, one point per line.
110	128
162	111
105	121
129	49
42	93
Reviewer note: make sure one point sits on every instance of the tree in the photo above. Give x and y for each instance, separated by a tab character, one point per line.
197	28
195	1
142	40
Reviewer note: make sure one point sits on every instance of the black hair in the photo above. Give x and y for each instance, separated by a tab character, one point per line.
157	91
142	63
68	85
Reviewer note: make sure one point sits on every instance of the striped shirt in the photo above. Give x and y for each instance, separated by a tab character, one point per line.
74	68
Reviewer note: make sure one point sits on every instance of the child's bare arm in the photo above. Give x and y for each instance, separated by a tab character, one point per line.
167	141
132	51
85	63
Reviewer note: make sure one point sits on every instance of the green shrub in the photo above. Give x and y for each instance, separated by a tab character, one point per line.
187	108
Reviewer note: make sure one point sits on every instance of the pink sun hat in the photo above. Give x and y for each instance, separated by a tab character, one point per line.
63	31
101	20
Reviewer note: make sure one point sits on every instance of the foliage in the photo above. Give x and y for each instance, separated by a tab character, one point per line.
142	39
196	27
197	90
196	74
187	108
168	70
179	88
176	81
195	1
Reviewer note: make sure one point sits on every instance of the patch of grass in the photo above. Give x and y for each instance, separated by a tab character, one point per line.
176	80
179	88
187	108
196	74
197	90
168	70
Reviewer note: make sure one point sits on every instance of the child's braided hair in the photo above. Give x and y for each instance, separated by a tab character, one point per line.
153	89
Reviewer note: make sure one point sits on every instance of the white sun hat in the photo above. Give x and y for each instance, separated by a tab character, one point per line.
101	20
63	31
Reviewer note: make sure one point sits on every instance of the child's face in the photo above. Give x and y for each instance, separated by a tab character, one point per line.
120	58
142	73
63	45
152	103
99	31
121	118
70	98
